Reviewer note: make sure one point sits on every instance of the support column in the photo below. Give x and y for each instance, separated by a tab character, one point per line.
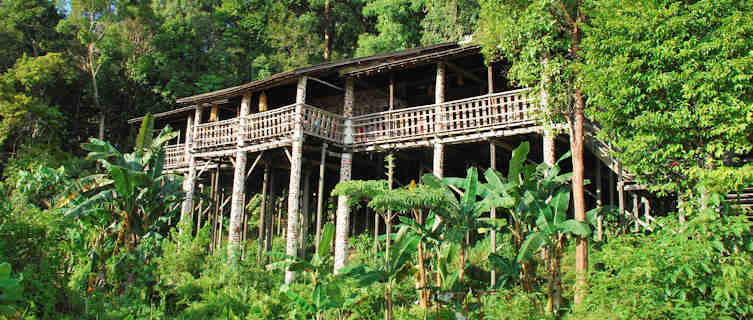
438	167
599	203
493	213
320	196
305	211
346	166
237	206
621	195
260	251
296	154
270	214
189	180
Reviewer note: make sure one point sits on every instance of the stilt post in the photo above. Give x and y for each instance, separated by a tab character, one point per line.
237	206
320	196
260	251
189	180
296	153
346	163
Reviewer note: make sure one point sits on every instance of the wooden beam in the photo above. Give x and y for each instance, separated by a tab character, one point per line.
466	74
253	165
287	153
327	84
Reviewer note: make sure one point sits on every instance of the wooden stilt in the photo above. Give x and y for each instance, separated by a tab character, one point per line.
189	181
493	212
270	213
305	210
635	212
295	177
621	195
599	203
438	163
239	190
612	187
260	250
320	196
200	209
346	163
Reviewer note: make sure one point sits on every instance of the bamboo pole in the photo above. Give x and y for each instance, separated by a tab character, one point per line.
493	212
270	213
438	163
305	211
260	250
320	196
599	203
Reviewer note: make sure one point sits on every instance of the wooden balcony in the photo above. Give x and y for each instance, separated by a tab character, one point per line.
471	116
461	120
175	156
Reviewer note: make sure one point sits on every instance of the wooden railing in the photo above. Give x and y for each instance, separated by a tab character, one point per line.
323	124
476	114
175	156
488	112
269	125
216	134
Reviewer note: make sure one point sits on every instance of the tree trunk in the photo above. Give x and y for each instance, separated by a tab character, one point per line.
388	285
327	33
579	203
423	295
555	279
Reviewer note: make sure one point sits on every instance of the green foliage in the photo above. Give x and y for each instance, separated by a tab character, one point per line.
29	96
672	80
700	270
404	244
10	290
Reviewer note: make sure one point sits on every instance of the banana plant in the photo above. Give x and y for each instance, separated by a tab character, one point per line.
552	229
133	189
460	215
520	193
404	244
324	296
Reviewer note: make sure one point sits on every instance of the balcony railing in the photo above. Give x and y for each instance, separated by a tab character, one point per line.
270	126
488	112
476	114
323	124
216	134
175	156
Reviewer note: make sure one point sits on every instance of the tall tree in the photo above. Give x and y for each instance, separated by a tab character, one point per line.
27	27
674	78
542	39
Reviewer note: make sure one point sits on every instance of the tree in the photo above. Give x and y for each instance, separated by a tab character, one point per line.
542	39
30	97
89	22
27	27
671	80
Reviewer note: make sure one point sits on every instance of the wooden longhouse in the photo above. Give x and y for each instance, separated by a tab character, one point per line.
438	108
